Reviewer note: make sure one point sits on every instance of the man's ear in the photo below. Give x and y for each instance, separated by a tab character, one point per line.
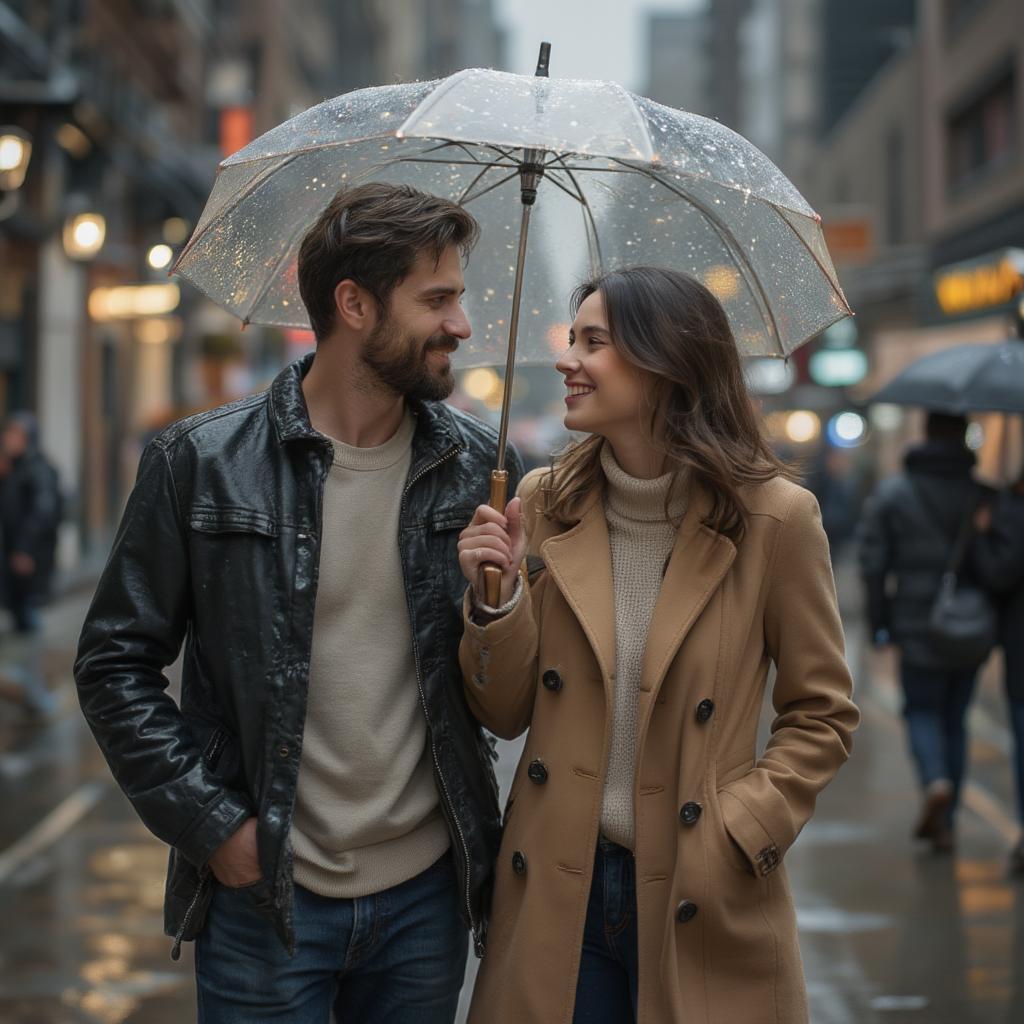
354	305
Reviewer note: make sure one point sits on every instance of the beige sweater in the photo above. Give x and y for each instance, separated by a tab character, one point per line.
641	542
367	814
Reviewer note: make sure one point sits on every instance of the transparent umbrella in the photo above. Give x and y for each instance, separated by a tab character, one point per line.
609	178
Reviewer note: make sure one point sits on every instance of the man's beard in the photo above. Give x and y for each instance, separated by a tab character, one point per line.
400	363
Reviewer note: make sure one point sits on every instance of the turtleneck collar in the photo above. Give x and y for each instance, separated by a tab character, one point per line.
640	500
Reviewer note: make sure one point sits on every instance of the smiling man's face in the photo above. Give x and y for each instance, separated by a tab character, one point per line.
408	351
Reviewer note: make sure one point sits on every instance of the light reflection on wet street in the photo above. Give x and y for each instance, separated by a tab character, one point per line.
889	933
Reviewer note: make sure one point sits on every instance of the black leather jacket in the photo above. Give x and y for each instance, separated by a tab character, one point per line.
219	548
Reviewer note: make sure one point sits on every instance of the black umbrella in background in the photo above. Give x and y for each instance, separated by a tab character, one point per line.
963	379
967	379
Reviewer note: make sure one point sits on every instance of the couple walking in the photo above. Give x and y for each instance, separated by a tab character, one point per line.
326	787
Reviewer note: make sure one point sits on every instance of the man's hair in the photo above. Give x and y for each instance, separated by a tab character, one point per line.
373	234
941	426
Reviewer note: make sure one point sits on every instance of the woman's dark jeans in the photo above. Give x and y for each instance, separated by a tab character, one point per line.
606	991
935	706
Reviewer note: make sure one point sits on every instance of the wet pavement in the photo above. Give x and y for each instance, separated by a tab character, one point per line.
889	932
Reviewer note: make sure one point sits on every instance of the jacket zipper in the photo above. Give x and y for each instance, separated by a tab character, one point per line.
213	748
478	943
204	879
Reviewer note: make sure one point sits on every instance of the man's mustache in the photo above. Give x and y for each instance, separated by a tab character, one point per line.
445	343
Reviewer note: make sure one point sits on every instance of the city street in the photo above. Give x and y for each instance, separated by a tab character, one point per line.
888	933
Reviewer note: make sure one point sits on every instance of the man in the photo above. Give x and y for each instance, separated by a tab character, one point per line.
29	517
907	538
328	797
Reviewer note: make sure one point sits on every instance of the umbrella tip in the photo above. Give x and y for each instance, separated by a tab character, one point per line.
543	61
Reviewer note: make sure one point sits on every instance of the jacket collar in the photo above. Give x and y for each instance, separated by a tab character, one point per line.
700	559
437	430
579	561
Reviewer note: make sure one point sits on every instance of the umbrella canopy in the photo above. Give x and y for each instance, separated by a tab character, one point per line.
624	180
963	379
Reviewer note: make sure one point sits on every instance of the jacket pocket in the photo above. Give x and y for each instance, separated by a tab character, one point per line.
208	519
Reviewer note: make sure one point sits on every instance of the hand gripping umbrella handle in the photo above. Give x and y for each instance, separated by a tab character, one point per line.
492	573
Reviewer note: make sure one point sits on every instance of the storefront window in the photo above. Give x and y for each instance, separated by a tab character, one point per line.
981	135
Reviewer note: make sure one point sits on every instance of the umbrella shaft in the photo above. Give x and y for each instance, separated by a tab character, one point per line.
513	333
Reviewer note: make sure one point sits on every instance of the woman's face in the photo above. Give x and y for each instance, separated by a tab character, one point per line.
604	393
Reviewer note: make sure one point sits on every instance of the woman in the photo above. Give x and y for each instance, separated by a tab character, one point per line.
640	873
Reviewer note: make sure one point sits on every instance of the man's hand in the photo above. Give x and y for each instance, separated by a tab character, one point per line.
236	862
22	564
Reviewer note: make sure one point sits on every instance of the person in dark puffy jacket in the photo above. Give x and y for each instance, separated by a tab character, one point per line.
907	537
998	557
29	517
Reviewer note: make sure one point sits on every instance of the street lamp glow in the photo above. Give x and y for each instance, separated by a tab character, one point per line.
802	426
84	235
15	153
159	256
847	429
481	383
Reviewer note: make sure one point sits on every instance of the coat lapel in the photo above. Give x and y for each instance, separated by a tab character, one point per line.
580	563
700	559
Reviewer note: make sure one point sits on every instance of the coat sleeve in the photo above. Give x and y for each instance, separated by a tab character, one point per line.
499	660
811	735
875	556
132	632
997	556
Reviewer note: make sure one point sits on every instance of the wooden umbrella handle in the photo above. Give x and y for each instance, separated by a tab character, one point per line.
492	573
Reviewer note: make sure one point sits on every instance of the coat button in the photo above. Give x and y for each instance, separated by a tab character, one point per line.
283	751
552	680
519	862
686	911
690	812
538	772
705	709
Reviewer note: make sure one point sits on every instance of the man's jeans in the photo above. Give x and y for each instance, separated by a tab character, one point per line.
935	705
396	957
606	991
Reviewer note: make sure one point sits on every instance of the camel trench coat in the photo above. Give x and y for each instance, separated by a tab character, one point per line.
716	926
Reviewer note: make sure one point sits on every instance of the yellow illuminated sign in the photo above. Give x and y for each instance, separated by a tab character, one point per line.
967	288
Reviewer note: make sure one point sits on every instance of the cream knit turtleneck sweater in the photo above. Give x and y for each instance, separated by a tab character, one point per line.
641	541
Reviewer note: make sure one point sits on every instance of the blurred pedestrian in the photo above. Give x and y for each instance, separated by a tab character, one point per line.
329	799
831	483
670	563
908	535
999	560
29	519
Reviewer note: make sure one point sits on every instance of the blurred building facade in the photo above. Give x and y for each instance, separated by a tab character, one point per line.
124	108
920	172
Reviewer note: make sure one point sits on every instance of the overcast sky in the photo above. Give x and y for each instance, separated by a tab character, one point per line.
589	38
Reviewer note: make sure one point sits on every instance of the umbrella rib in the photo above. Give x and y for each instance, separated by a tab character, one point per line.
588	214
732	245
450	163
469	188
491	188
235	201
568	191
814	256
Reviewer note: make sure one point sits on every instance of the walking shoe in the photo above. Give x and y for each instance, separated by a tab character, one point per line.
934	823
1017	860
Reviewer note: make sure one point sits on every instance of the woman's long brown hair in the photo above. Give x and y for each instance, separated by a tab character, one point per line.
699	414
